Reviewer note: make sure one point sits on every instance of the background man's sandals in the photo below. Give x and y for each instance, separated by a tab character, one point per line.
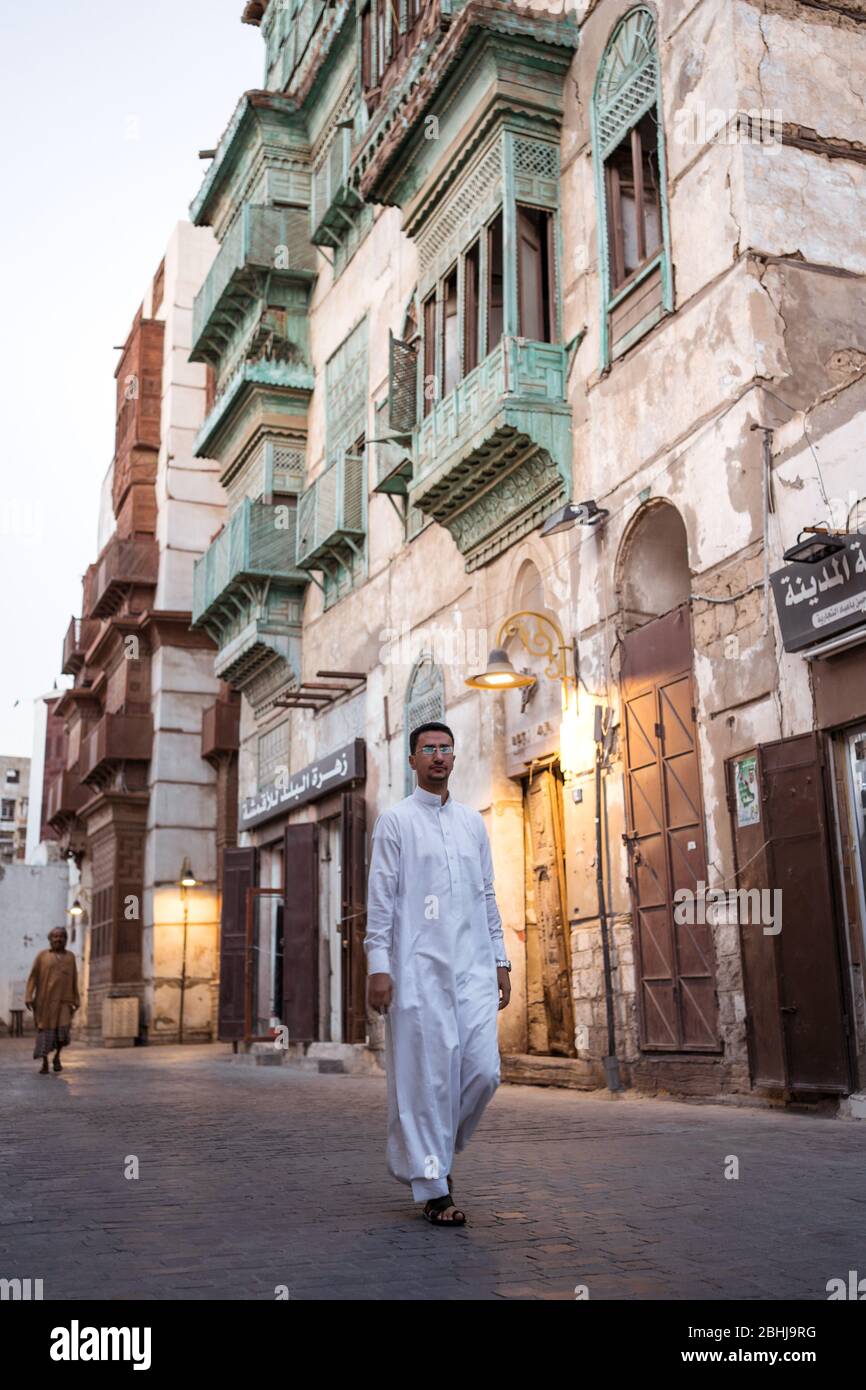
435	1209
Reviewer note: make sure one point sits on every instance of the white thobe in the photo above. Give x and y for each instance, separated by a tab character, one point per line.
433	926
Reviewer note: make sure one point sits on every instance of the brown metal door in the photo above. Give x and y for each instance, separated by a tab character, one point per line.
549	963
239	872
677	1003
353	917
796	998
301	932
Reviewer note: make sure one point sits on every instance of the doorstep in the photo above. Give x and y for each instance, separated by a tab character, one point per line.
527	1069
347	1059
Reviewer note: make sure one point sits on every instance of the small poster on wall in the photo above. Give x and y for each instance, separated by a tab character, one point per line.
746	779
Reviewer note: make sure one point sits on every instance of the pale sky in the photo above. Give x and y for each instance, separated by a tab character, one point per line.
104	106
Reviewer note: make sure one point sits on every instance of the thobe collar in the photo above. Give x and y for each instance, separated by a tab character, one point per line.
431	798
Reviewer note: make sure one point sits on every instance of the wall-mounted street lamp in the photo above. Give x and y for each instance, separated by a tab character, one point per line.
540	636
187	880
76	910
573	514
820	546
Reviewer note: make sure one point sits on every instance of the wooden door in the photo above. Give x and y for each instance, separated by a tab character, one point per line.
548	950
677	1003
798	1013
353	915
239	873
301	932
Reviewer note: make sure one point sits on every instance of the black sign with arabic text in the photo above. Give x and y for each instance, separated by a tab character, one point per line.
815	602
338	769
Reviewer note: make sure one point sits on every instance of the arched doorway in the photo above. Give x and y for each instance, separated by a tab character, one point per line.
532	728
675	961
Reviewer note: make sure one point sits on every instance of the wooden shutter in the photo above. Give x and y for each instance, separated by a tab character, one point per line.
796	1000
301	933
403	386
353	917
239	874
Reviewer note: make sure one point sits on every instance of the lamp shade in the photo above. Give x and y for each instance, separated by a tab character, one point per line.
76	910
499	674
187	877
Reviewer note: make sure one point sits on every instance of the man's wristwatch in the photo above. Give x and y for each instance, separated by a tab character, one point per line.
503	965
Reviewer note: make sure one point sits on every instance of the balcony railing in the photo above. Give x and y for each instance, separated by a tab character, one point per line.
220	728
79	635
259	541
66	795
123	564
275	241
519	375
116	738
509	418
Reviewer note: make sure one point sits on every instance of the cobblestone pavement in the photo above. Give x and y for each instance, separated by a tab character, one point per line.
254	1177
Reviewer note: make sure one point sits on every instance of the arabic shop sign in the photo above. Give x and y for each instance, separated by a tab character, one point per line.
317	779
818	601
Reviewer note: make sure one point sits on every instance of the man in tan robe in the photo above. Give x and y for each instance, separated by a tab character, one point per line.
52	994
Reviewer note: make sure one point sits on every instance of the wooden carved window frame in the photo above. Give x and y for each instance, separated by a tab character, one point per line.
627	88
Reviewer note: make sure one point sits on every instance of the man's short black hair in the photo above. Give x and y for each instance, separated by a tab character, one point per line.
425	728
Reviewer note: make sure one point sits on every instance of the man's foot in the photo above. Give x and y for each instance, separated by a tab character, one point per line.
441	1211
43	1070
56	1063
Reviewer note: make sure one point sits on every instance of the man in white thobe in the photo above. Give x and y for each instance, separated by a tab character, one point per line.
437	970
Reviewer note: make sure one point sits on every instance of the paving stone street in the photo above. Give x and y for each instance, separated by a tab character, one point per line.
254	1177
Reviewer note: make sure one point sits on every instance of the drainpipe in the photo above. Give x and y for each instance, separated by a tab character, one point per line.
610	1062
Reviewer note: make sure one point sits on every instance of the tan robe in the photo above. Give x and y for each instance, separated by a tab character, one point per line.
53	984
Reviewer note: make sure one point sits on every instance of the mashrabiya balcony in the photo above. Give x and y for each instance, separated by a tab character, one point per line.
66	795
248	590
490	459
331	522
79	635
263	243
116	738
125	563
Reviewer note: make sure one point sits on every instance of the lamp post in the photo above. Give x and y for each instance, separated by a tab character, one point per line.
187	880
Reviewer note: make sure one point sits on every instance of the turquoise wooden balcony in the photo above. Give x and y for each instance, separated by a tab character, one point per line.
493	458
264	246
248	591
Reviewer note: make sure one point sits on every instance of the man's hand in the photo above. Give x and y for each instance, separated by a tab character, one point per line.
29	1006
380	989
503	979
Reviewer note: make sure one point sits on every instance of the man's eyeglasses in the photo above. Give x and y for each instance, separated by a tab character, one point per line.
445	749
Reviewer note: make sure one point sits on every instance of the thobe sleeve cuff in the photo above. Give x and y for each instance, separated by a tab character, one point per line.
378	961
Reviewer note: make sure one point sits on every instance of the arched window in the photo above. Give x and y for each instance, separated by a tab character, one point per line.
425	699
628	152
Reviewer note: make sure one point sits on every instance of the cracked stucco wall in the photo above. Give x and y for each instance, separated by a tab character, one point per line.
769	258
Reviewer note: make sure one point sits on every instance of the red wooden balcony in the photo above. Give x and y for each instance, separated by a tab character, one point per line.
79	635
220	728
117	738
123	564
66	796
